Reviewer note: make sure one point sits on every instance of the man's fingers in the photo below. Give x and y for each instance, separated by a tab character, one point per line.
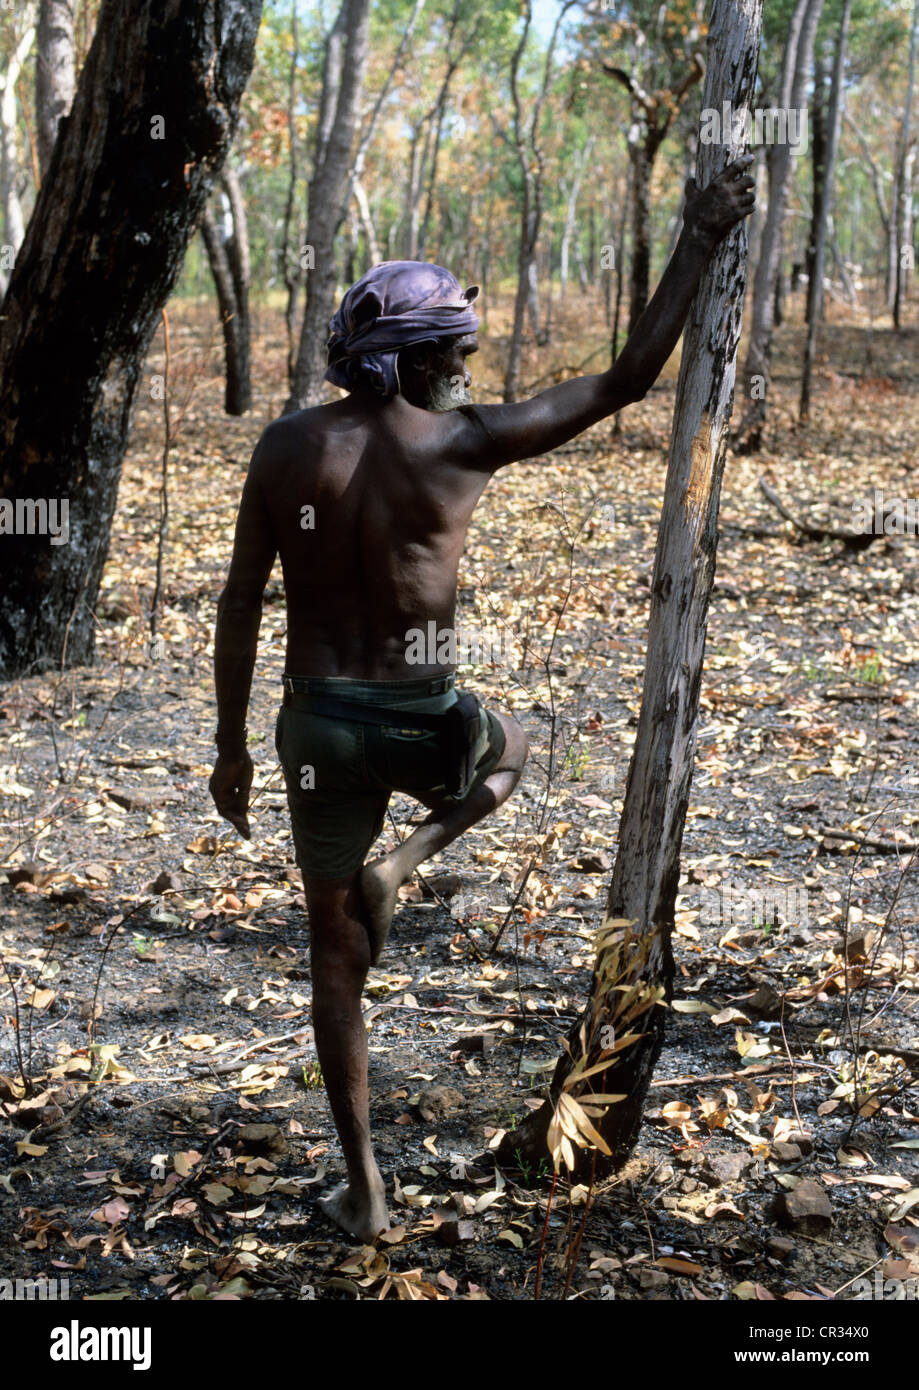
738	167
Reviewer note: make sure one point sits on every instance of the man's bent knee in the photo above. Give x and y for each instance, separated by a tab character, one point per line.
516	745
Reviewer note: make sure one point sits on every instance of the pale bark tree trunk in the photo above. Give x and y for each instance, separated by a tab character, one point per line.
13	226
571	212
880	198
150	126
834	120
54	74
903	206
343	82
646	873
357	189
793	86
530	157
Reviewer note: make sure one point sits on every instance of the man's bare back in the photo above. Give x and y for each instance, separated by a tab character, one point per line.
370	514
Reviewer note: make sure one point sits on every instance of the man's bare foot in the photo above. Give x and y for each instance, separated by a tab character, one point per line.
365	1218
381	880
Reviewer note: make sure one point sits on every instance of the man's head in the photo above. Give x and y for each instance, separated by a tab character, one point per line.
400	305
435	376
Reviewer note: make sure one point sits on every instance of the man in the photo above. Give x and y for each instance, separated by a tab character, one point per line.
367	501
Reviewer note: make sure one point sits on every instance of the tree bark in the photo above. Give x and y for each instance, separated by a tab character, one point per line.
815	287
329	192
651	115
757	368
13	227
646	873
818	167
54	75
530	157
129	177
902	207
228	257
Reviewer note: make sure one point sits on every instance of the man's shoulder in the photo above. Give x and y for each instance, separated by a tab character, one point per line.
285	437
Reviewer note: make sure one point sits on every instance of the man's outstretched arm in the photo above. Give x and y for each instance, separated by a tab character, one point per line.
239	615
551	418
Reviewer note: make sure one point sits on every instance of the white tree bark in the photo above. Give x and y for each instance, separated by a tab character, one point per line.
13	224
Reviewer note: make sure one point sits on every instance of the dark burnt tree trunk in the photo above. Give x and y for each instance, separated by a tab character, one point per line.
54	80
818	167
228	256
129	176
652	115
647	869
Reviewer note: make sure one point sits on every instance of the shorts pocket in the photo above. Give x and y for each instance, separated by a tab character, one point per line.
411	759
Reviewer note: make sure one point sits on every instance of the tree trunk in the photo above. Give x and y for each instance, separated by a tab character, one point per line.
834	120
530	157
902	207
54	78
756	373
13	228
329	195
818	167
291	270
646	874
129	177
228	256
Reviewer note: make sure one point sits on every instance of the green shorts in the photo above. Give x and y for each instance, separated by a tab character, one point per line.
340	774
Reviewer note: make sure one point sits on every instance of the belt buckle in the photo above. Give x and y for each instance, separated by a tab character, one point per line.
288	683
439	685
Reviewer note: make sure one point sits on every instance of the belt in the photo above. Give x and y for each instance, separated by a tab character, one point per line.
320	686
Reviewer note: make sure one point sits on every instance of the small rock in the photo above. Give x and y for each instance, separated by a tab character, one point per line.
475	1043
689	1185
437	1101
165	882
765	1002
722	1168
653	1278
806	1207
445	886
597	862
784	1152
780	1247
262	1138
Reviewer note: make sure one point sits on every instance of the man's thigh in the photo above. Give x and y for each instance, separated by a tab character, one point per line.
335	814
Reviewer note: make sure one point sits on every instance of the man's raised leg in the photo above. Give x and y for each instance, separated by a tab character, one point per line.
340	958
382	878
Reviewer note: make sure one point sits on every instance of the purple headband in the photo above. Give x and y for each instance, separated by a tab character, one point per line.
395	305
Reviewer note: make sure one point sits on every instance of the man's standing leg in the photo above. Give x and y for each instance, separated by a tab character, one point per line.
340	959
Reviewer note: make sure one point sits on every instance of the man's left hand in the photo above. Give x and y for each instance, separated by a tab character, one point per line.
230	784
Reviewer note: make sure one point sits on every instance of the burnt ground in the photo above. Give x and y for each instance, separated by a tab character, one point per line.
158	967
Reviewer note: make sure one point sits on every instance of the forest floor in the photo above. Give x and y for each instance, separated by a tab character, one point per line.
173	1133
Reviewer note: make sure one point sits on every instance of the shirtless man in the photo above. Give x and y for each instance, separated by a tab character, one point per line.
367	501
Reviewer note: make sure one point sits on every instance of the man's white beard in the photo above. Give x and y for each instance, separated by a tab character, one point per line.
442	395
